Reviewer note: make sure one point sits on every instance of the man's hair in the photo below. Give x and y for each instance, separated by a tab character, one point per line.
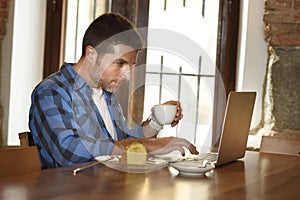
111	29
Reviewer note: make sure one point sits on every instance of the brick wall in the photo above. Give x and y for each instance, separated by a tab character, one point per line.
3	17
282	22
282	86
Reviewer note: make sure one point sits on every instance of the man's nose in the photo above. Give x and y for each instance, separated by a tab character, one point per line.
125	71
126	68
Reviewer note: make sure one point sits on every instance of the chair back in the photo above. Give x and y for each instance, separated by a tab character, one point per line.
280	146
19	160
26	139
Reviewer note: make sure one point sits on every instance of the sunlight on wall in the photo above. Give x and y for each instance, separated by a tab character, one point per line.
26	63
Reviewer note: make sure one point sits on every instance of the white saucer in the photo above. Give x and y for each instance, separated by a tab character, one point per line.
189	168
191	174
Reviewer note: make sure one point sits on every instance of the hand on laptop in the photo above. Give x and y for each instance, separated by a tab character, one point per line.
158	146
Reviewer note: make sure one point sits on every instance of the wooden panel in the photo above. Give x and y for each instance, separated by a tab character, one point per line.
17	161
228	32
53	39
280	146
226	60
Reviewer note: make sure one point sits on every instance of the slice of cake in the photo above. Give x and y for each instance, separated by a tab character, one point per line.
135	154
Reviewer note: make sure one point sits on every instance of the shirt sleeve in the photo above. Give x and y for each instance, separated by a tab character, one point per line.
122	123
57	133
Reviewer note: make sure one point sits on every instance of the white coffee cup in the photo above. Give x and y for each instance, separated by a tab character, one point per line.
165	113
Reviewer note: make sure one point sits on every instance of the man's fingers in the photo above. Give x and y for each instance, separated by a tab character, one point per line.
192	148
182	151
169	144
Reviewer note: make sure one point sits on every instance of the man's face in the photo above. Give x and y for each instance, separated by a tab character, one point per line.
115	67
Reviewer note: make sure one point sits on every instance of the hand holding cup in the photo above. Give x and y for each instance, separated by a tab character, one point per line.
168	113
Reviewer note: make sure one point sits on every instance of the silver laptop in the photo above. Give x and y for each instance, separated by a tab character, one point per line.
235	130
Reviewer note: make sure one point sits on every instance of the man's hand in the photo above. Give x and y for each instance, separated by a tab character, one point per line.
178	115
157	146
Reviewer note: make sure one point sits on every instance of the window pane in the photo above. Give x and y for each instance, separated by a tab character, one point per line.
183	71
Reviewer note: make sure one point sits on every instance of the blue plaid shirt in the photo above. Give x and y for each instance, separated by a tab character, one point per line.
66	124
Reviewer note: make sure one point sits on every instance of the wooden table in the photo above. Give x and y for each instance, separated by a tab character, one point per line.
257	176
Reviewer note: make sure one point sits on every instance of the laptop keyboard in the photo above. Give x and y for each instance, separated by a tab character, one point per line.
211	157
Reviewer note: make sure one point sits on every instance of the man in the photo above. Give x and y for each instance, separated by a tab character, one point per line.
74	115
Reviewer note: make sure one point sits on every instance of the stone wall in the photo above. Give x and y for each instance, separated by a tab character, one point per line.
281	115
3	22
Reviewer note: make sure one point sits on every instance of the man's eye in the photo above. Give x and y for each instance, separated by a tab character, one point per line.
120	63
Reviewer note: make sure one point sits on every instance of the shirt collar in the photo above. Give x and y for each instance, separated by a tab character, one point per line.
79	82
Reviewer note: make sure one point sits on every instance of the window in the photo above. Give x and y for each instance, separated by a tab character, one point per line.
182	64
80	13
167	67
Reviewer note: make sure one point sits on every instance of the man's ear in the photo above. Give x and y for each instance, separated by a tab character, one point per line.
91	54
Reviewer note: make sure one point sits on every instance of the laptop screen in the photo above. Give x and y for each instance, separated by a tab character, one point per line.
236	125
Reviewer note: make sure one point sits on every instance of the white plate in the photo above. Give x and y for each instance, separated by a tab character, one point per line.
151	165
189	168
